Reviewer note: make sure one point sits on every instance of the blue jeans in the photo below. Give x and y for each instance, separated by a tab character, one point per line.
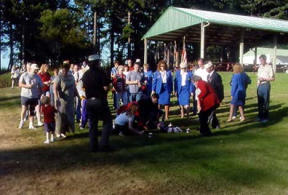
135	96
98	109
121	96
78	108
263	93
84	113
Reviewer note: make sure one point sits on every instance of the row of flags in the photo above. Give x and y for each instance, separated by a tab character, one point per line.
168	54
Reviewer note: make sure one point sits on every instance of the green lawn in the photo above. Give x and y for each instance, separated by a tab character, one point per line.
241	158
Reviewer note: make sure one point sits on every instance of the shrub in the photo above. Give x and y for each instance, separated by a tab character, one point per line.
5	80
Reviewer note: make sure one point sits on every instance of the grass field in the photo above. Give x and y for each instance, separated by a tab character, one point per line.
241	158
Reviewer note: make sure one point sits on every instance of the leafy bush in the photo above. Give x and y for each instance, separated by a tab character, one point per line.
5	80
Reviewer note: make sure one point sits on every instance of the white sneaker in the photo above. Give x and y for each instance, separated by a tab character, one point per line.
31	126
39	124
63	135
233	117
47	142
21	124
52	139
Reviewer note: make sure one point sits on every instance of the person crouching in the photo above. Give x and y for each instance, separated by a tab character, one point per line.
49	119
124	121
207	102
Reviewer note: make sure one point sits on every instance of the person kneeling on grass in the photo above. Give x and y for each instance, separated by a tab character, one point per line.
49	119
149	112
124	122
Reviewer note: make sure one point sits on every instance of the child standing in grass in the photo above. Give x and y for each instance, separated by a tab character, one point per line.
49	119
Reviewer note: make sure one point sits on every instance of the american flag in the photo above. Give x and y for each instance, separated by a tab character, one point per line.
175	54
184	54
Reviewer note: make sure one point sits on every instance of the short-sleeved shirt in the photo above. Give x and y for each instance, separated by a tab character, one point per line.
76	76
266	72
201	72
15	73
123	119
134	76
44	78
35	91
49	113
94	81
114	70
119	83
65	87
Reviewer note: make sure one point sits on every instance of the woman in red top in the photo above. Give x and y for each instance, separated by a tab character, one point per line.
207	102
46	79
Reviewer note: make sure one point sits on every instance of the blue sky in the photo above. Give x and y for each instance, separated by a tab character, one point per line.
4	59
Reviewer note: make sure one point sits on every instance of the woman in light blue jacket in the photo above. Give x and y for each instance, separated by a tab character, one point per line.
184	88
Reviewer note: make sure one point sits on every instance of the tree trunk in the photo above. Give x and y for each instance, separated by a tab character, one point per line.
11	42
112	41
0	48
129	38
95	29
98	32
22	47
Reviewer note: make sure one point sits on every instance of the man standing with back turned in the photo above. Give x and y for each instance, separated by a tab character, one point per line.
215	80
96	83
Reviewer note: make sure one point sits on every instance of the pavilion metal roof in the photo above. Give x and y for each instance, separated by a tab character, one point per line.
175	22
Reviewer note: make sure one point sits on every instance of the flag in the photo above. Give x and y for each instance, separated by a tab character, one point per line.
175	56
184	54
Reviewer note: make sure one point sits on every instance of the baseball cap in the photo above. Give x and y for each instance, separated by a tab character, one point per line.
34	66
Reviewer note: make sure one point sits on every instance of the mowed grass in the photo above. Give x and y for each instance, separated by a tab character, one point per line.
241	158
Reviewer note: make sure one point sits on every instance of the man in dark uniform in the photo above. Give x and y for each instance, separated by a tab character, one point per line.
95	83
215	80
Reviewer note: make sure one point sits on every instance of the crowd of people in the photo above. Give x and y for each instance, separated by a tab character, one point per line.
79	93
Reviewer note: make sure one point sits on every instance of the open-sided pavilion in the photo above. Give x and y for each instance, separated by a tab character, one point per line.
215	28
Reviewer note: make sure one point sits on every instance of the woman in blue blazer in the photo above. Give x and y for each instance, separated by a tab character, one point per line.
184	88
238	92
162	84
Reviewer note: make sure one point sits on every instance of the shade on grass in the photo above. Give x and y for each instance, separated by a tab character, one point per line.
244	157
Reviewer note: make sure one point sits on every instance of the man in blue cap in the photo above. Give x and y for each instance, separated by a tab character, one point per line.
95	83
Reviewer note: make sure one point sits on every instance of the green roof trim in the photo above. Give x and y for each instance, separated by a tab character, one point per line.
172	19
175	18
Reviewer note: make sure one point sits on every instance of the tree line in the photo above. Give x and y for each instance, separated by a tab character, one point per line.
54	30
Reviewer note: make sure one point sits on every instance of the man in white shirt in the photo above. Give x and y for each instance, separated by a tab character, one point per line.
265	75
201	71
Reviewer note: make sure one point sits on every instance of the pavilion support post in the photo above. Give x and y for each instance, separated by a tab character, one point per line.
202	39
274	52
255	56
145	51
202	42
241	47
